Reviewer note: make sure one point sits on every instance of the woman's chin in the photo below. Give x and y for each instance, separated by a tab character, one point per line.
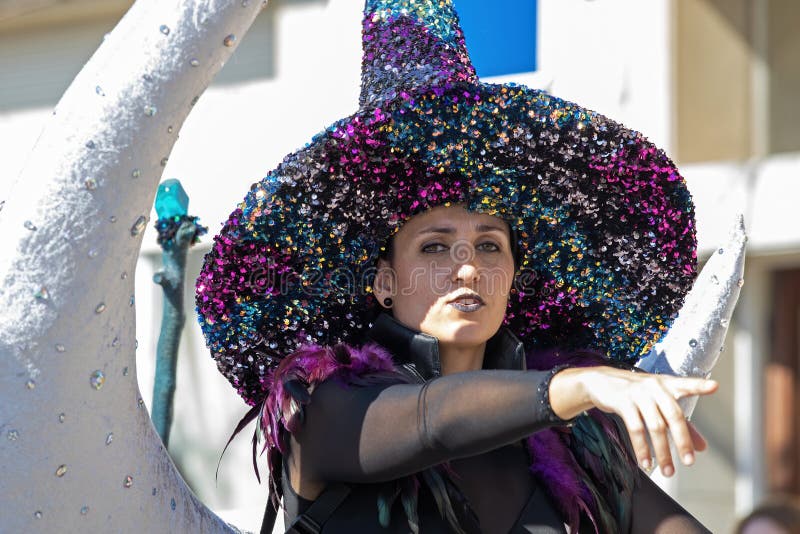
468	328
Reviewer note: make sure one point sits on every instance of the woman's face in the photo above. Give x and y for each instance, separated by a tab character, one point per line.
450	274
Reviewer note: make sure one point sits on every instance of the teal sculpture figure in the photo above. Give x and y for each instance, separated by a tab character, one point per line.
177	231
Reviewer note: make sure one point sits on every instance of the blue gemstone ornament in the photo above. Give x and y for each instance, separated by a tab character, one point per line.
171	199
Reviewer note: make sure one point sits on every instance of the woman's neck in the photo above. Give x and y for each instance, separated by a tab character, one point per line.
456	359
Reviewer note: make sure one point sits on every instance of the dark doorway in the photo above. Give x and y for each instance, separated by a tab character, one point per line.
781	376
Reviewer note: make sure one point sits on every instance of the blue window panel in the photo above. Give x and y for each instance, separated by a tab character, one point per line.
500	35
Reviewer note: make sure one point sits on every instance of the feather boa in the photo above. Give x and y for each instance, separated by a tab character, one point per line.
588	469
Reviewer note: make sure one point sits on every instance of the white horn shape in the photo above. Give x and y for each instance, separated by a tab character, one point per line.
77	447
694	342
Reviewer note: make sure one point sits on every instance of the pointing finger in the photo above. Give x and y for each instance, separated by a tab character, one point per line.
658	435
676	421
636	431
682	387
700	442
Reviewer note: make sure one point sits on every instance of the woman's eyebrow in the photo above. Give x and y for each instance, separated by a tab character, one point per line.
489	228
438	230
451	230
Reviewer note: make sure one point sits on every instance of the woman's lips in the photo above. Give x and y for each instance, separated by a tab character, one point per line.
467	304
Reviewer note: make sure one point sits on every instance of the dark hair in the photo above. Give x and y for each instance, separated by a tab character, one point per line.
387	252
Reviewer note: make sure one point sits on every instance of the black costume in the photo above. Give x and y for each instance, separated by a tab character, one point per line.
478	419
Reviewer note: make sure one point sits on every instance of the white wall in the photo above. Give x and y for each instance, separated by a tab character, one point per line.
612	56
765	191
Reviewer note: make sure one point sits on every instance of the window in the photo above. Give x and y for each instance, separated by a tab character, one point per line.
737	79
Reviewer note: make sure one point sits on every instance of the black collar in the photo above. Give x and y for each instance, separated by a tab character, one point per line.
412	348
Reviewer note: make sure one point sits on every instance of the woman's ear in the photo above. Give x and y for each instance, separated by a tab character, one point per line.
385	281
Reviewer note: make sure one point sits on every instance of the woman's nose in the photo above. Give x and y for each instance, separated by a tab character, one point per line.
464	262
467	271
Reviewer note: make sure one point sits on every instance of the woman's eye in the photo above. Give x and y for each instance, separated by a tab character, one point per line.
434	247
439	247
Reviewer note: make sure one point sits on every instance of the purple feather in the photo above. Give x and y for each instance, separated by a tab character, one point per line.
312	365
554	465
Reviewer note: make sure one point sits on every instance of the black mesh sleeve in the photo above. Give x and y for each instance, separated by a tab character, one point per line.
379	433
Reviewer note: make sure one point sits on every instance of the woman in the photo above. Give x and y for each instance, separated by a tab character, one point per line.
449	277
399	302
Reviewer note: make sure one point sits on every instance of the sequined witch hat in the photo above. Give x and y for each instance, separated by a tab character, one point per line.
604	221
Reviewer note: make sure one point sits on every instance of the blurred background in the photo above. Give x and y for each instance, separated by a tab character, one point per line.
713	82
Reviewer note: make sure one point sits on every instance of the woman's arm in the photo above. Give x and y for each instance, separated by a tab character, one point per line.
377	433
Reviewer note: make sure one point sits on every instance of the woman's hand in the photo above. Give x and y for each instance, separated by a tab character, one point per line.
644	401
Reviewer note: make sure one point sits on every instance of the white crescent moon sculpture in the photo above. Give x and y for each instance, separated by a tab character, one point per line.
79	452
78	449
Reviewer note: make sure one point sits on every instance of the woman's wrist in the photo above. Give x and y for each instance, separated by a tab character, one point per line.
568	394
544	398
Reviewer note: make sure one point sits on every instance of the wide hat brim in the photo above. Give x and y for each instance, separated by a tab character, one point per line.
604	221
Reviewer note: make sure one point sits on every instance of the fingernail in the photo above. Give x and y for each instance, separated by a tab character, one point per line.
688	458
646	463
667	470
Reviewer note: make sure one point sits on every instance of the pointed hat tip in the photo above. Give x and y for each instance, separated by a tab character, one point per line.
411	44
